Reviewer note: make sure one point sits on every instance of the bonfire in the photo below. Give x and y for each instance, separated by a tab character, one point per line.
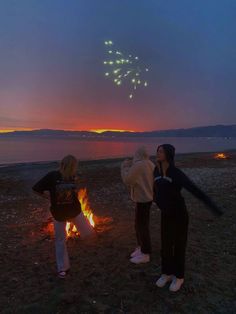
101	224
221	156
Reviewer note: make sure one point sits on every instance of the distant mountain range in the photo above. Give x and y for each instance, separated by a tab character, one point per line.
205	131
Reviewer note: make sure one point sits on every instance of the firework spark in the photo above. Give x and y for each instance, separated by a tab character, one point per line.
124	69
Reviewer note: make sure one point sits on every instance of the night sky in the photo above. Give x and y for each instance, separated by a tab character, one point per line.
52	72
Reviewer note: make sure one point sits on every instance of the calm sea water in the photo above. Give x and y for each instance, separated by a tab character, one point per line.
46	149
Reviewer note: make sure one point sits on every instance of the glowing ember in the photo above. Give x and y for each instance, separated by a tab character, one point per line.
221	156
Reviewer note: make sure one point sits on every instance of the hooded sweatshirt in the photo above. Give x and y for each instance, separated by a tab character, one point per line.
139	176
167	189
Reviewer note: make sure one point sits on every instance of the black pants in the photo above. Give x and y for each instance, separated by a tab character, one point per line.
174	230
142	214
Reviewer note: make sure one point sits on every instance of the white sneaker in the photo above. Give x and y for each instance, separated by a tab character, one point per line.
136	252
162	281
142	258
176	284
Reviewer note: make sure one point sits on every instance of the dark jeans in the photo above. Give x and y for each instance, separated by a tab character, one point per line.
142	214
174	232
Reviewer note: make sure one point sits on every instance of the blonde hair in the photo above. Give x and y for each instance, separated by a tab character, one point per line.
68	167
141	154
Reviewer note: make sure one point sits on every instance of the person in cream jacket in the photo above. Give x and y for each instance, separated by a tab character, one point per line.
137	174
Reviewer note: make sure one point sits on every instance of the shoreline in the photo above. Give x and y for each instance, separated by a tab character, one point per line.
109	159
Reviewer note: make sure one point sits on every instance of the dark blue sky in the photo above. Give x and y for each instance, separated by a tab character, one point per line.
52	76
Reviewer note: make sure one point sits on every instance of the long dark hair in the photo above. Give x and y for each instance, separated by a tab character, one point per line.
169	153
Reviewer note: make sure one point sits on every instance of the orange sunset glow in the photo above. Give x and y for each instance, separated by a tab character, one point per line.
99	131
110	130
6	131
13	130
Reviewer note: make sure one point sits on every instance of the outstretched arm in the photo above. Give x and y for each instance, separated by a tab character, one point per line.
190	186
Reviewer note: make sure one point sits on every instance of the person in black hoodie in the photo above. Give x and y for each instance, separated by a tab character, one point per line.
168	182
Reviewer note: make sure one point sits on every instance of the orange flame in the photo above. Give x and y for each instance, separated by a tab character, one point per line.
83	198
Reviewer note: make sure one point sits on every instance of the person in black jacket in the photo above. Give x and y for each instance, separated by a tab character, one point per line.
168	182
65	206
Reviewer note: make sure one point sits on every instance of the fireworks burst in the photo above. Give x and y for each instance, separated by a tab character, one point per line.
121	68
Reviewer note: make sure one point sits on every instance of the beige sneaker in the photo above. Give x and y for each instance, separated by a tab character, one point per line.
140	259
162	281
176	284
136	252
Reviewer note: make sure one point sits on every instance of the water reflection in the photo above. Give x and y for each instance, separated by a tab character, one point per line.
47	149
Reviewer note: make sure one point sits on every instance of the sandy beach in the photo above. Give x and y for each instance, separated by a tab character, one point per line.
102	280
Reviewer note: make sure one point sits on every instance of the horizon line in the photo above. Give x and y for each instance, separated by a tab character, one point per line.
100	131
